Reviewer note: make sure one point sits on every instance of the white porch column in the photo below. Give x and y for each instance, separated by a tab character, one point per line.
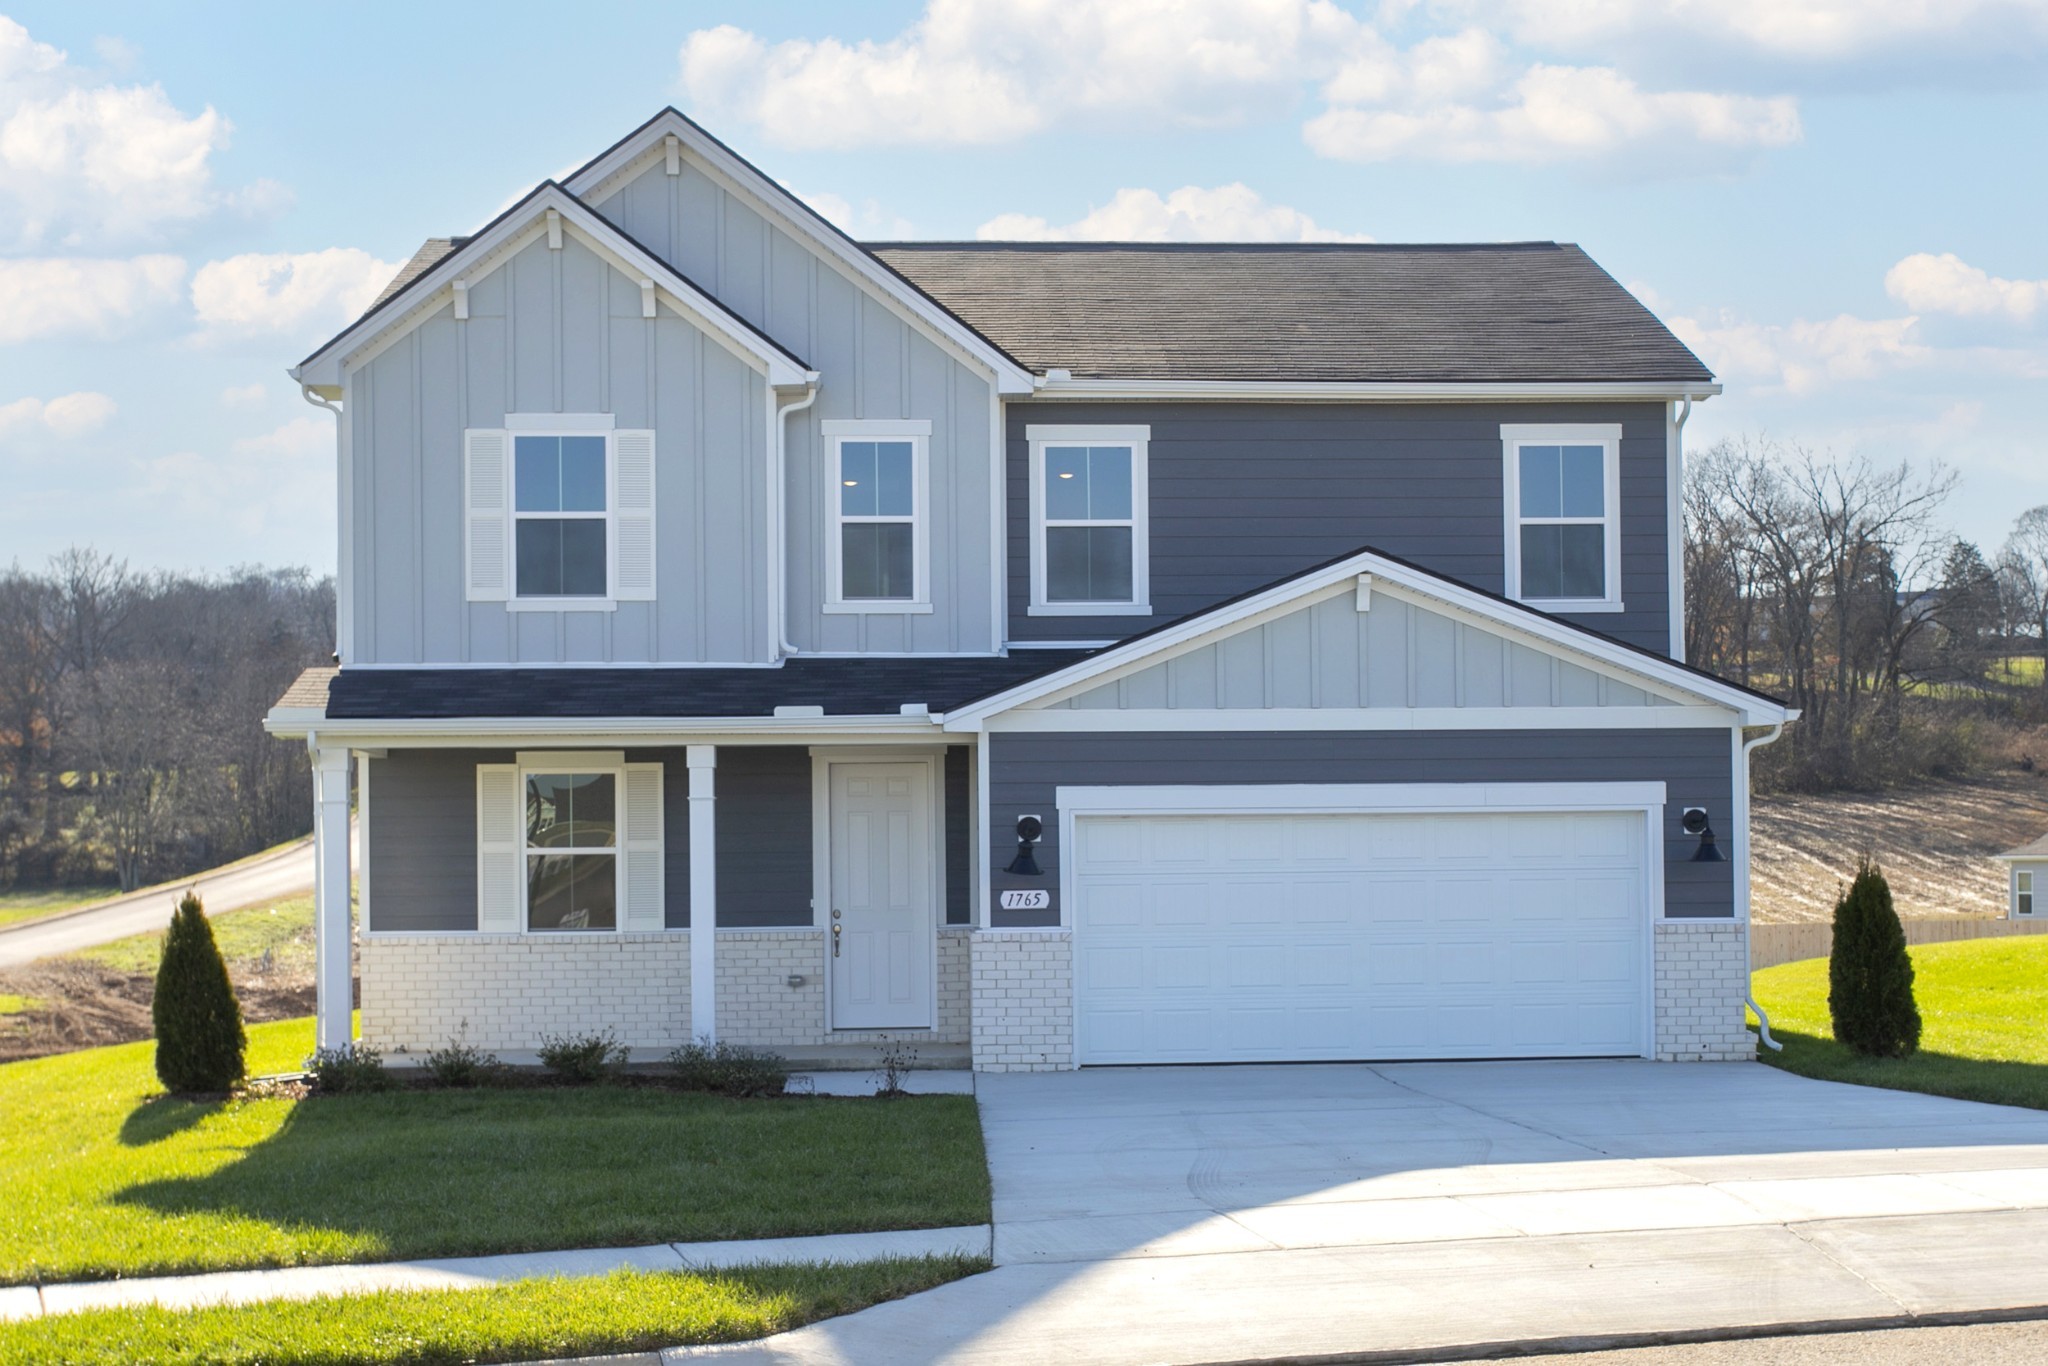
703	763
333	1027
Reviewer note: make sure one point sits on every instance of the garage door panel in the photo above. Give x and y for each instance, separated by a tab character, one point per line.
1245	937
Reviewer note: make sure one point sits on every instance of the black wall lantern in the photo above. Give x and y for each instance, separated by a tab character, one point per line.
1694	822
1029	828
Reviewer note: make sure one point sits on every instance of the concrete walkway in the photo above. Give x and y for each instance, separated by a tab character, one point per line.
466	1273
1201	1215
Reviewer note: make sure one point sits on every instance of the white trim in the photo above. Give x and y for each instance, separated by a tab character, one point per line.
1343	391
635	731
1538	631
1674	526
1647	798
555	760
649	144
1607	436
933	762
1255	719
917	434
2032	891
345	562
561	424
1038	436
489	250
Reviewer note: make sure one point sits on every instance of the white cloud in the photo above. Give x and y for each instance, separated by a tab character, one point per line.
281	293
68	415
1802	356
56	296
992	71
1927	283
1227	213
1803	30
84	163
302	436
245	395
1546	114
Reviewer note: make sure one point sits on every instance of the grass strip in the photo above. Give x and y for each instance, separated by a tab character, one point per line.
626	1311
106	1177
1982	1004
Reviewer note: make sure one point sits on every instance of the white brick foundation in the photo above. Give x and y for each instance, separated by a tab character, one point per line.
1702	975
502	992
1023	1001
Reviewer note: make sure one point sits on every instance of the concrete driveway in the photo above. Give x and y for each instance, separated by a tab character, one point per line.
1248	1213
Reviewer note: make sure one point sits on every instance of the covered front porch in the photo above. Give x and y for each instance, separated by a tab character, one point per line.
512	893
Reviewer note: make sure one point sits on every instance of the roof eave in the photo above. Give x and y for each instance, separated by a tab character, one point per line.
1052	386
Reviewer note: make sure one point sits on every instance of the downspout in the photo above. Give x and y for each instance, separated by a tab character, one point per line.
1742	890
1674	516
782	412
344	615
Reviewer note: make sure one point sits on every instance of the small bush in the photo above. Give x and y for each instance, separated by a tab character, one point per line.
461	1063
729	1070
898	1061
199	1036
1870	975
582	1058
351	1068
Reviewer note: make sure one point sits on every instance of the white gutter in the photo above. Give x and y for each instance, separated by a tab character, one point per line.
778	592
1055	384
1741	797
652	730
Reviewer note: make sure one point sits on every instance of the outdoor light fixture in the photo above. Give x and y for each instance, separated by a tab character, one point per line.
1029	828
1694	822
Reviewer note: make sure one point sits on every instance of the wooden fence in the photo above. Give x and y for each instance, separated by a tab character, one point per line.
1770	945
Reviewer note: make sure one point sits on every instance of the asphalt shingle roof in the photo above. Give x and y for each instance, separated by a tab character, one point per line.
874	686
2031	849
1515	312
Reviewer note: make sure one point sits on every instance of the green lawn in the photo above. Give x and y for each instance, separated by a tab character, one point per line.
285	930
105	1177
1984	1015
624	1312
20	905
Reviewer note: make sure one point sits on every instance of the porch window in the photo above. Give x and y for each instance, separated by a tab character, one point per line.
877	559
2023	892
1563	516
1090	521
572	834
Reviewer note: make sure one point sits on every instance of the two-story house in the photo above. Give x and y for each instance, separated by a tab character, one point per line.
1049	654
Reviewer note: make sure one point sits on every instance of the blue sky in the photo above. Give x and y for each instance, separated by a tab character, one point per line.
1838	203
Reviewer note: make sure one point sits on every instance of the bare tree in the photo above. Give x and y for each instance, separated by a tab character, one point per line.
2023	581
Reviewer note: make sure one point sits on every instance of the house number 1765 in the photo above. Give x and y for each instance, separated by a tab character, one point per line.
1026	901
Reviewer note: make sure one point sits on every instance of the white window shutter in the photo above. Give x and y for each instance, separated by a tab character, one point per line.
642	899
500	848
487	513
633	515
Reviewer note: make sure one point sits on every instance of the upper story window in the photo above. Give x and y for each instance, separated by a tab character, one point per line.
1089	521
558	512
561	516
1563	516
877	558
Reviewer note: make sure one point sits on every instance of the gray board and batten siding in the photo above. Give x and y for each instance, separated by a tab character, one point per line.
873	365
1244	494
1026	771
1394	655
420	837
558	331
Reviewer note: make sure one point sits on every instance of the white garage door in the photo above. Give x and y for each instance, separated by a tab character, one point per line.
1247	938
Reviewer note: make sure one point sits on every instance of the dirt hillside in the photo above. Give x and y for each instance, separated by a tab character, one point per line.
1934	841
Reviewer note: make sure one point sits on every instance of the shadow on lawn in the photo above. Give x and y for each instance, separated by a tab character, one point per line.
1927	1071
160	1117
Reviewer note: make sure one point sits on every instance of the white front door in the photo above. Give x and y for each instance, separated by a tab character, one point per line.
882	937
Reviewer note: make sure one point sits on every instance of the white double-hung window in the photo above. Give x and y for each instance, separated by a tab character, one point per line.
877	556
1563	498
1089	521
569	842
558	512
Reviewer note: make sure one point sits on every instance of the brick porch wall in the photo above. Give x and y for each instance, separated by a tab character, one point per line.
1700	978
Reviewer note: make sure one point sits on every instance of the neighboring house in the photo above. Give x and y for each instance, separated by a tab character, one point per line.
1317	605
2026	867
